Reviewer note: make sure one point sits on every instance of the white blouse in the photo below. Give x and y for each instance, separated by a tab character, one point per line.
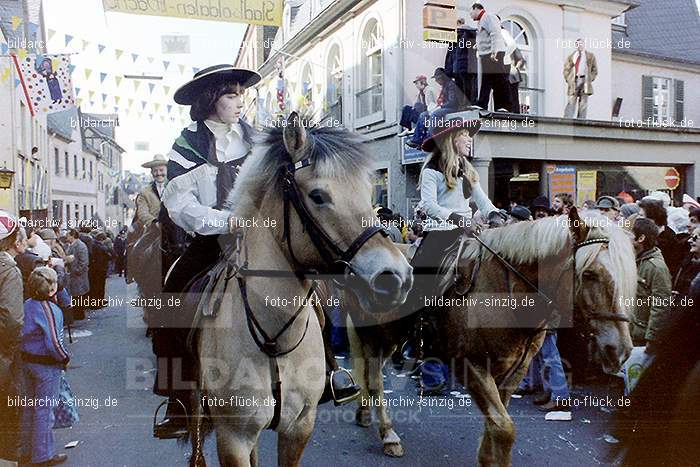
191	197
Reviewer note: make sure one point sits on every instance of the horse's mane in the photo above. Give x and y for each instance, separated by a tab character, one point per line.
529	242
335	152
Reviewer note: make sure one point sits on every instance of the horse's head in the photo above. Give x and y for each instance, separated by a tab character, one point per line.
606	281
322	175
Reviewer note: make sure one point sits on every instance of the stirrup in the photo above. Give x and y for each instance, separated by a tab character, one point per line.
352	381
165	402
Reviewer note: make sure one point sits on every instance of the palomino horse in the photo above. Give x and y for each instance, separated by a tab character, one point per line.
586	265
302	198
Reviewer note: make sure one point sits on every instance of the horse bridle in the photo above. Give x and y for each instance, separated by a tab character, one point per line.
338	261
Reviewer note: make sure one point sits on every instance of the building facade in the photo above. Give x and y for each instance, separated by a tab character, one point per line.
354	62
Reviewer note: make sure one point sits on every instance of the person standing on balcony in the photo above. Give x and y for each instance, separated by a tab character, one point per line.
580	70
491	49
424	101
447	102
461	64
514	62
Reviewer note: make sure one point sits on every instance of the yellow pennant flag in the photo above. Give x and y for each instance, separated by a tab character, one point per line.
118	53
56	63
88	72
131	102
5	74
166	90
118	80
52	33
116	99
150	59
79	101
137	83
156	106
85	44
22	54
91	94
182	69
16	21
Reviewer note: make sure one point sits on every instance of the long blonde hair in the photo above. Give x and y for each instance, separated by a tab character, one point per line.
447	158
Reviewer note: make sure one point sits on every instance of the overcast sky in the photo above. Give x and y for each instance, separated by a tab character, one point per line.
210	43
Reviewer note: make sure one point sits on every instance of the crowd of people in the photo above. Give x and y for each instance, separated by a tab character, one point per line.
48	279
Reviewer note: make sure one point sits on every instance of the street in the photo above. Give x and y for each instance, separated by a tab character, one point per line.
110	376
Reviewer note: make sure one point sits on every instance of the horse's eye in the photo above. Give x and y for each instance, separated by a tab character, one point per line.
319	197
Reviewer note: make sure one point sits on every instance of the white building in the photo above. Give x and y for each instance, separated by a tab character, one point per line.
355	61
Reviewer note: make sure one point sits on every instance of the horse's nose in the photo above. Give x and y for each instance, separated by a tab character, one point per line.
387	284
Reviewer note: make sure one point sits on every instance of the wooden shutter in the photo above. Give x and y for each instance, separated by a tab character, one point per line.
679	97
647	97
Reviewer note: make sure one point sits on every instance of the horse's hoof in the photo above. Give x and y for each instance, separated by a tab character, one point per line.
393	450
363	418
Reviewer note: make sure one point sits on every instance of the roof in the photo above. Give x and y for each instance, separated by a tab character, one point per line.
62	123
667	30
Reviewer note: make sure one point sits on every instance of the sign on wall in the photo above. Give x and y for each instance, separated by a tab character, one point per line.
586	183
561	179
262	12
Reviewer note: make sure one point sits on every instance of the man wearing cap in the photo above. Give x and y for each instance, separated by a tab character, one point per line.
13	242
519	213
148	199
424	101
609	207
447	102
540	207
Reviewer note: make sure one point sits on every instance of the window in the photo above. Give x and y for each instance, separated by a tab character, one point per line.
67	214
528	93
370	98
67	164
85	211
334	84
23	171
56	162
84	171
92	211
75	166
91	171
77	212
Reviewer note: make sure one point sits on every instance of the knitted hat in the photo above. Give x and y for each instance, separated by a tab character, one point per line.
8	224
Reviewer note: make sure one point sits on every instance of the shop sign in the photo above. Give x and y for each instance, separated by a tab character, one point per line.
561	179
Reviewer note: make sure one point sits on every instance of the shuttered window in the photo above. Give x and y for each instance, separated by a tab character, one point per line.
678	97
647	97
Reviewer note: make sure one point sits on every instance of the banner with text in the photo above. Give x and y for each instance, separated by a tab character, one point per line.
262	12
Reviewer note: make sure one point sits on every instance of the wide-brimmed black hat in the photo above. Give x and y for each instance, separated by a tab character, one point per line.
541	203
212	76
446	126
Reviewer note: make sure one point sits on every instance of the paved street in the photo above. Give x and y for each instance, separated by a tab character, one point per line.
113	363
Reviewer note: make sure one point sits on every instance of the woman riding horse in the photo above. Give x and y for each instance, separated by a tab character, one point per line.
203	164
448	182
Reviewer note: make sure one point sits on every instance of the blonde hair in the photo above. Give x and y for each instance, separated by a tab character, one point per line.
447	158
41	280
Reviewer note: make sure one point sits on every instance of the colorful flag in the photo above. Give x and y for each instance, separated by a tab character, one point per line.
16	21
48	82
68	39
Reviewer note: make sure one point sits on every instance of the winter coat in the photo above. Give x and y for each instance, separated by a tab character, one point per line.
148	205
78	282
674	250
11	312
42	334
687	272
653	281
570	73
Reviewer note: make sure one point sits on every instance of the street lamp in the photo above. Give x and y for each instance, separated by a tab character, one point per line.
6	176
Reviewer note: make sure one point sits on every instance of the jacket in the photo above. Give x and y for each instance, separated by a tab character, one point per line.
489	39
461	55
570	73
450	95
148	205
653	295
11	310
674	250
78	282
685	275
42	335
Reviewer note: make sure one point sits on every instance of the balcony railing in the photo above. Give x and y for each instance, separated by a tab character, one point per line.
370	101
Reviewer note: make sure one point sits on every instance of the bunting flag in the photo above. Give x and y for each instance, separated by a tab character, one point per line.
131	102
116	99
156	107
22	54
5	74
17	82
52	32
48	83
77	91
101	48
143	105
104	98
4	48
194	70
137	83
182	69
118	53
166	90
68	39
170	108
118	80
16	21
134	57
166	64
151	87
79	101
88	72
150	59
103	76
32	28
85	44
71	69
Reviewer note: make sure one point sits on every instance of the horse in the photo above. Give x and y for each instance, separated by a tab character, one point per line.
584	264
300	201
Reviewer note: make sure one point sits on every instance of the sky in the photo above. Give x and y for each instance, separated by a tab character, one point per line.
98	38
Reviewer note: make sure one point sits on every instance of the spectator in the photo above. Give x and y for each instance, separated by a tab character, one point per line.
518	214
690	267
562	203
653	286
78	280
491	50
580	70
386	217
99	265
44	357
690	203
673	250
415	233
515	63
626	210
609	207
13	242
28	260
588	204
447	102
540	207
425	101
693	219
679	222
461	64
119	252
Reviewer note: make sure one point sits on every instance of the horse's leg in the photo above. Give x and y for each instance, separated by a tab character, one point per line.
254	456
233	447
197	436
363	416
391	441
507	388
499	430
291	443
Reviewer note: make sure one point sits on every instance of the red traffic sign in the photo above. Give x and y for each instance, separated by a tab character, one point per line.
672	178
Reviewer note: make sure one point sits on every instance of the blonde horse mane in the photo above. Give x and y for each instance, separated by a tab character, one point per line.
529	242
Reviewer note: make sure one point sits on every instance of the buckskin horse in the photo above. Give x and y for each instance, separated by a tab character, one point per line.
261	356
563	263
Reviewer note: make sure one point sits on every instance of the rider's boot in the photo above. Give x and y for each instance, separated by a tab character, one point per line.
174	425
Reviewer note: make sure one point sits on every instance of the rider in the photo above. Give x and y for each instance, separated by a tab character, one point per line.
448	182
148	200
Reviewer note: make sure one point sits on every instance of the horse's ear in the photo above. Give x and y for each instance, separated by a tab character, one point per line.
294	136
578	227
